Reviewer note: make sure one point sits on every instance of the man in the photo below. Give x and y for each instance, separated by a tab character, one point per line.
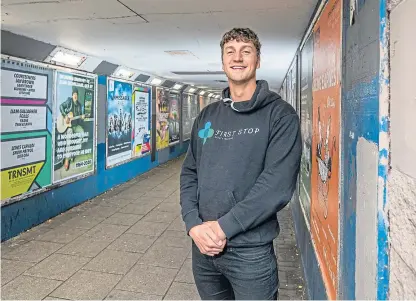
69	109
240	170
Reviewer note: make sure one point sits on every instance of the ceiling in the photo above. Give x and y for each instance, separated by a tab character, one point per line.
168	38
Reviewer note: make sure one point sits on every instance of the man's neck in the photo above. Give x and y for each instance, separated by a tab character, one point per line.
242	92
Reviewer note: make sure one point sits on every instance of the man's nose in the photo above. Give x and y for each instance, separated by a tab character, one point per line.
238	57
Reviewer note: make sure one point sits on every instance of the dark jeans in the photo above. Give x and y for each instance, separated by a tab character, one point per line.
237	273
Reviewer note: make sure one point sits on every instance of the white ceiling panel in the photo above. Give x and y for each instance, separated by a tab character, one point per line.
139	35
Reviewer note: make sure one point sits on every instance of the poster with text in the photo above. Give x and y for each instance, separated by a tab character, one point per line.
74	126
291	85
189	114
325	141
173	118
141	126
306	127
26	128
119	121
162	115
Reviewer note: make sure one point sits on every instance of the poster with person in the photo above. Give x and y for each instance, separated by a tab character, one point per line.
162	123
119	121
26	128
74	121
141	126
173	117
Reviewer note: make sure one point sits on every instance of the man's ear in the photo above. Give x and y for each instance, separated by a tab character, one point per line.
258	62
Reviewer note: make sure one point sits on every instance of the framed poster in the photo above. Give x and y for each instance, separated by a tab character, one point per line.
141	127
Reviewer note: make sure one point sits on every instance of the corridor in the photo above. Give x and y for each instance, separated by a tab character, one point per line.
126	244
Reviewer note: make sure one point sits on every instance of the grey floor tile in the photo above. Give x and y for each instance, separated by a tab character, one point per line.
57	267
61	219
115	202
148	280
177	225
10	269
126	295
147	228
85	246
101	211
53	298
28	288
132	243
33	251
160	217
61	234
158	193
35	232
123	219
182	291
12	244
111	261
106	231
162	256
177	239
83	222
169	207
87	285
185	273
138	208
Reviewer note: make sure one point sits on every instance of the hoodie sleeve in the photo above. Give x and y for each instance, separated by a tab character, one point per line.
275	185
189	184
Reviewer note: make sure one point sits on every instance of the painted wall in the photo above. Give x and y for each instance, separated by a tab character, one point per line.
402	177
360	115
23	215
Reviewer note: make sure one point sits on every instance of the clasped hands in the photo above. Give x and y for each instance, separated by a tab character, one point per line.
209	238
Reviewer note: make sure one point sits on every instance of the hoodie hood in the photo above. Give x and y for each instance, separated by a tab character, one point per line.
262	96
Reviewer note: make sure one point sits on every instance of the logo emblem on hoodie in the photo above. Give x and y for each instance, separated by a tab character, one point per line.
206	132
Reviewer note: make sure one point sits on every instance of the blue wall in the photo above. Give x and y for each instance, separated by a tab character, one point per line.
25	214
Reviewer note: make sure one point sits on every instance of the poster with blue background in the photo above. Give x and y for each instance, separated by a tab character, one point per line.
119	121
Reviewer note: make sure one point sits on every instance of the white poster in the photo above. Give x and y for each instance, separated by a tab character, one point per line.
15	84
22	151
23	118
141	139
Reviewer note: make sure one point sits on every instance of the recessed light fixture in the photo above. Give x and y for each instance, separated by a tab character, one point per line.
192	90
202	93
66	58
210	94
124	73
177	87
156	81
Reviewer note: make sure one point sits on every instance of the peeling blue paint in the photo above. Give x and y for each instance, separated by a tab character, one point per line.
384	124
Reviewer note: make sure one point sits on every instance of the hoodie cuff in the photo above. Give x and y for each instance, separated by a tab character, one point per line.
230	225
191	220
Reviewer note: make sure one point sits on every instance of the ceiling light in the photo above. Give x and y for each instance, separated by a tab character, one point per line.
177	87
68	59
202	93
218	96
123	73
210	94
156	81
192	90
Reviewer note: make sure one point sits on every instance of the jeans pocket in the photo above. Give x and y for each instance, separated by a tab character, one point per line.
253	253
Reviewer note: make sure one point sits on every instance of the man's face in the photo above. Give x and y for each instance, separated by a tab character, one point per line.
240	61
75	97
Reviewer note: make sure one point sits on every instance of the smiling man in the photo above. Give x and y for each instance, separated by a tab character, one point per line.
240	170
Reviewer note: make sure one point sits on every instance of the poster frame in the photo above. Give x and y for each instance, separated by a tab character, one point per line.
54	69
170	91
94	154
197	109
157	149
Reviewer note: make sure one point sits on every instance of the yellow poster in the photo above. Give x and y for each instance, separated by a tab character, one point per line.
162	112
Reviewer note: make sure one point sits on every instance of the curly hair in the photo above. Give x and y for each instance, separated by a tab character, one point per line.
241	35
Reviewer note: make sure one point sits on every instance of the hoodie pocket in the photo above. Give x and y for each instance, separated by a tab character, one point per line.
214	203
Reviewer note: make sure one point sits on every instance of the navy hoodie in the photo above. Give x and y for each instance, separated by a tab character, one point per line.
242	165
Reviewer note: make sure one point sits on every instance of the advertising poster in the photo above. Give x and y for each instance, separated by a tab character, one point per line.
26	128
141	126
291	85
74	126
189	114
162	114
119	121
173	118
306	126
325	141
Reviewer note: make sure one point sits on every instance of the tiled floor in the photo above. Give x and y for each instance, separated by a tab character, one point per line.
126	244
